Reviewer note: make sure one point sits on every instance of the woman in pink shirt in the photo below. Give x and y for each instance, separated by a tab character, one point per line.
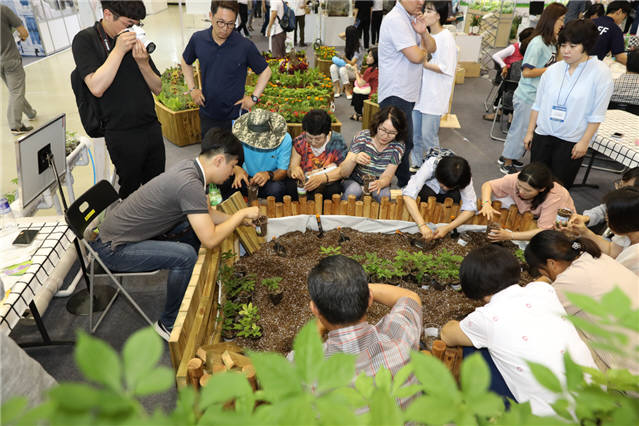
534	190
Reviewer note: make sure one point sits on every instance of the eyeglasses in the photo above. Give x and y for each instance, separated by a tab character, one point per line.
387	132
222	25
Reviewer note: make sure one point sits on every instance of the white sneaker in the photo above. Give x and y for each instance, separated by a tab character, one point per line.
161	330
337	95
349	96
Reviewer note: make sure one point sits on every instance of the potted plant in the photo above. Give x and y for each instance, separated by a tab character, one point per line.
475	22
274	289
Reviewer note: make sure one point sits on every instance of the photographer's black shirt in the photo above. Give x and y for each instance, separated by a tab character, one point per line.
128	102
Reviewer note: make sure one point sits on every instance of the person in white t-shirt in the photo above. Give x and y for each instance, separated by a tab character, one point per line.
516	325
622	207
438	77
274	31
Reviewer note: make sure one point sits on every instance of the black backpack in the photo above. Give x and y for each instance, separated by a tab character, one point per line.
288	19
88	105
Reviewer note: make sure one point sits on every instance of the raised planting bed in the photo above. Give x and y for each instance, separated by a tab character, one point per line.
323	59
246	298
175	109
369	110
295	129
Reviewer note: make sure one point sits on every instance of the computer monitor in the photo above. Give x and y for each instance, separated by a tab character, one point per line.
34	172
536	7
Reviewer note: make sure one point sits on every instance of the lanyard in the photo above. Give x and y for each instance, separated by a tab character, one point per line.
573	85
103	37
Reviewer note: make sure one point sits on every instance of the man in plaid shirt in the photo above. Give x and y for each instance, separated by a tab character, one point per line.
340	296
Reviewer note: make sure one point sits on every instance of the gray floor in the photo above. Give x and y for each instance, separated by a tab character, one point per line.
471	142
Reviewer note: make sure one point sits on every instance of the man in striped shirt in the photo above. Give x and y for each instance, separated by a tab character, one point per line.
340	296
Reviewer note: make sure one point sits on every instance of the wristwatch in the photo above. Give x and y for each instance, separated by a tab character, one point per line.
271	175
255	98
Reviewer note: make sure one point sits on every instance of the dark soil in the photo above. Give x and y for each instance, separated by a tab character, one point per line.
280	323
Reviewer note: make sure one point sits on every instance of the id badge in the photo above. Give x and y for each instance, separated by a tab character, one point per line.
558	113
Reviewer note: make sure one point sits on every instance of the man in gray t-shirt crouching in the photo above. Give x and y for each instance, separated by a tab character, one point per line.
162	224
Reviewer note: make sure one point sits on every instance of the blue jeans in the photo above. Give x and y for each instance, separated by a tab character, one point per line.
177	253
497	382
425	136
353	188
403	172
514	146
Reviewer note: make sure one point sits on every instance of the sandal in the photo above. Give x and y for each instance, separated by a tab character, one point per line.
354	117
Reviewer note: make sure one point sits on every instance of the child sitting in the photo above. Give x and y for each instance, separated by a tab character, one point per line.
516	325
365	84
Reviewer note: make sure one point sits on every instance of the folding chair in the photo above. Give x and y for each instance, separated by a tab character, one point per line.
78	216
509	85
494	89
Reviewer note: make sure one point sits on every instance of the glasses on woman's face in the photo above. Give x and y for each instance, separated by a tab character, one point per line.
225	25
387	132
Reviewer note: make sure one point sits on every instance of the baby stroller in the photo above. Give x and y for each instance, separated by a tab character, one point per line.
505	105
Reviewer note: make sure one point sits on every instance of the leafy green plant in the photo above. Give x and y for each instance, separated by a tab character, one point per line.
330	251
272	284
380	269
175	93
519	254
247	323
11	196
230	310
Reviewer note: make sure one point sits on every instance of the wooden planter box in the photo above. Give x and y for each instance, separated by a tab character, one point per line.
368	112
295	129
179	127
324	66
197	323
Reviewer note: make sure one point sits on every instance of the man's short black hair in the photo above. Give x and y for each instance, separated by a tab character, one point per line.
580	31
222	141
488	270
619	4
317	122
453	172
132	9
230	5
338	286
622	206
632	65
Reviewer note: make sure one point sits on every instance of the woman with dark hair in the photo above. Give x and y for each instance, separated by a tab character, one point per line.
438	78
442	175
622	207
365	84
533	189
374	156
315	152
343	67
571	102
579	266
539	53
596	10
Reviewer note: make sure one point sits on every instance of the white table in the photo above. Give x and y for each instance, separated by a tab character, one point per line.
623	150
45	252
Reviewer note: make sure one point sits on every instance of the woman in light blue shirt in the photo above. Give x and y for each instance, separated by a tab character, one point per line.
571	102
539	53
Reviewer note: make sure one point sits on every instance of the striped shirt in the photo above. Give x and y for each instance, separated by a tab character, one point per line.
391	155
387	344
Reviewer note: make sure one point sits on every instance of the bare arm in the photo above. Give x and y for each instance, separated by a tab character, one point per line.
486	205
432	67
150	77
262	81
622	57
187	70
210	234
218	217
453	335
388	295
415	54
532	123
347	166
533	72
100	80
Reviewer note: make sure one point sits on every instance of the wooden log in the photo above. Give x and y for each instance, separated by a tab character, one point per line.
528	222
219	348
392	211
384	208
423	210
351	205
343	206
496	205
302	200
400	208
439	347
319	203
337	199
512	217
219	368
374	210
503	217
437	213
359	208
195	370
279	209
204	379
287	211
328	207
227	360
406	214
295	208
201	353
454	212
249	372
447	209
310	207
367	206
263	211
270	206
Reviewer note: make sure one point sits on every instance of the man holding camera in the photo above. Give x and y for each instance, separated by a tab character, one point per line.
117	69
225	57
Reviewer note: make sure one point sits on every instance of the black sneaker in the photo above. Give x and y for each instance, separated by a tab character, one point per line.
22	129
516	163
508	170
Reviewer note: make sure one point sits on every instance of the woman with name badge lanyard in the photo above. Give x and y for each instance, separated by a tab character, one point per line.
571	102
539	53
